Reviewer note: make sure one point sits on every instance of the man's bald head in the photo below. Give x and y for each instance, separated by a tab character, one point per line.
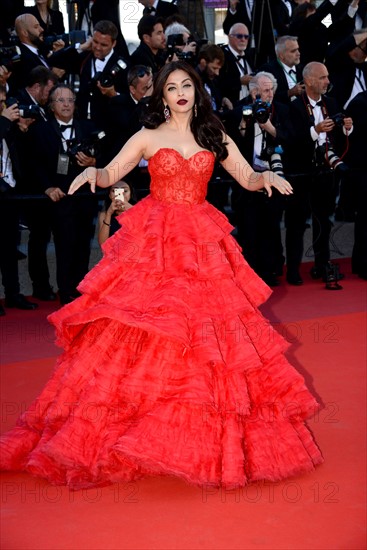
28	29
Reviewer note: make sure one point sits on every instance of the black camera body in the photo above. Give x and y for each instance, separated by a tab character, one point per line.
25	111
70	39
175	40
88	146
259	110
9	56
107	80
338	119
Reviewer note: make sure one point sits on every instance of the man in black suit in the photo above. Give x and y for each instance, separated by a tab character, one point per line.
125	110
265	19
152	43
88	14
312	171
36	212
235	74
30	34
95	63
259	136
357	179
286	69
55	166
159	8
9	216
347	64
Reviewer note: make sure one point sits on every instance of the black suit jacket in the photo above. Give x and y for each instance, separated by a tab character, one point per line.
302	147
276	69
8	131
342	69
81	63
143	55
229	76
164	9
262	24
356	156
21	69
45	146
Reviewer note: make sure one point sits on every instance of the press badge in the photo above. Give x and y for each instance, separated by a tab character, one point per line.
62	164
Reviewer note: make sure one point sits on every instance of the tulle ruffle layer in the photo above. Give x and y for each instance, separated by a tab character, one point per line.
169	368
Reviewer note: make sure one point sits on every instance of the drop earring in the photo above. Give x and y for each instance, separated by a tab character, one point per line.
167	114
195	110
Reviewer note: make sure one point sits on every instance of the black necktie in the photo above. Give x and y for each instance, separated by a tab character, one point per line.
64	127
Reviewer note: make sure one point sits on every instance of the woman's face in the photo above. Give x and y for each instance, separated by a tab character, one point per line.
179	92
121	185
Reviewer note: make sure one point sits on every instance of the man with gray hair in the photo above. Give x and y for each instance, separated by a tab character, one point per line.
236	72
261	130
287	69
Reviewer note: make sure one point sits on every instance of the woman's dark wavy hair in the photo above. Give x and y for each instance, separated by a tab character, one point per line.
206	127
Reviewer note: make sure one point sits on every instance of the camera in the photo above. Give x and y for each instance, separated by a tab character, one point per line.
325	156
9	56
88	146
338	119
272	154
25	111
175	40
70	39
107	80
259	109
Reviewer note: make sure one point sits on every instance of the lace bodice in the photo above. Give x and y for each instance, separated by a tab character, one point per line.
179	180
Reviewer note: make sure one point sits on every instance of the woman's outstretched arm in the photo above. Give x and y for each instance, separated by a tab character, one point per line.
122	164
238	167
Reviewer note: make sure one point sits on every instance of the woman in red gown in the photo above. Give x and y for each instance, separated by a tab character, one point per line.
168	366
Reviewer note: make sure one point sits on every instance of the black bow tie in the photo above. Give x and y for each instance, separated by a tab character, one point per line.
292	71
239	57
318	104
148	10
64	127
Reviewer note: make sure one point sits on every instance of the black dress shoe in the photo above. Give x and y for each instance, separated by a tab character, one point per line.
20	302
46	295
323	272
271	280
294	278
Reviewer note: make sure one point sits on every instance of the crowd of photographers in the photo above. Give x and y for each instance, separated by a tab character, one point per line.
72	100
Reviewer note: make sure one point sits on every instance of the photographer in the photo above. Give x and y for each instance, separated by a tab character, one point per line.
10	172
152	43
260	129
32	101
314	164
31	38
103	73
179	43
62	147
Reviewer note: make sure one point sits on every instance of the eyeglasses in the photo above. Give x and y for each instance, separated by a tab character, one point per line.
64	100
240	36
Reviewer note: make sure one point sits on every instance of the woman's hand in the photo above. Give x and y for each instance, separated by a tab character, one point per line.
273	180
89	175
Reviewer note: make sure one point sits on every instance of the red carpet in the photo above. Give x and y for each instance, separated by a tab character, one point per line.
324	510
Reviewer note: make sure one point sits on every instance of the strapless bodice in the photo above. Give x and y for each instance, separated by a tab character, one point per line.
175	179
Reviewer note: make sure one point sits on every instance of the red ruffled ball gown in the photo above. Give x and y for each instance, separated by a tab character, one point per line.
168	368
